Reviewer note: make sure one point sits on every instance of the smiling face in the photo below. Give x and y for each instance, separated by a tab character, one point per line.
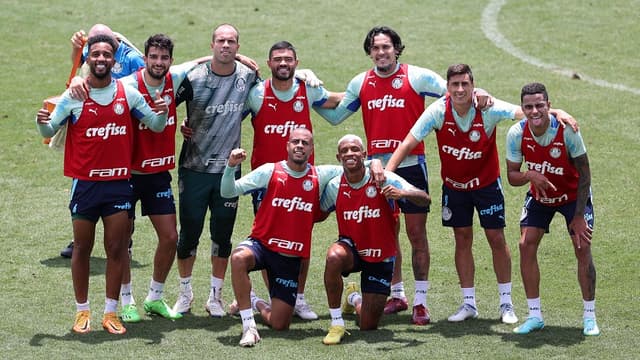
157	62
460	87
351	153
300	147
536	110
100	59
282	63
383	54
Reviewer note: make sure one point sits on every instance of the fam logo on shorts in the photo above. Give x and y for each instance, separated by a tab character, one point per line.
396	83
307	185
371	191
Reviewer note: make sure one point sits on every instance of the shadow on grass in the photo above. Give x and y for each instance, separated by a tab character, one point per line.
97	264
151	329
557	336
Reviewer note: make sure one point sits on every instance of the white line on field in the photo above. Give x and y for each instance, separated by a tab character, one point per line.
490	29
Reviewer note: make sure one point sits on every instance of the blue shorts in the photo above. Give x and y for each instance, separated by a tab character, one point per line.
416	175
535	214
375	277
154	192
91	200
282	271
458	206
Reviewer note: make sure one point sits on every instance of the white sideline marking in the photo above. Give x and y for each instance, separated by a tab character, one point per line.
490	29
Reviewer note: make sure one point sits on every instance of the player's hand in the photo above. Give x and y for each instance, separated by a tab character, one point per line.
309	77
565	119
582	233
252	64
391	192
377	172
43	116
540	183
79	88
159	105
185	130
236	157
484	100
78	39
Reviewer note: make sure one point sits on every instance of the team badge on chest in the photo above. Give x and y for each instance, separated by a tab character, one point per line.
298	106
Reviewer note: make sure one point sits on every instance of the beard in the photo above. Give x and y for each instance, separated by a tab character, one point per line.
280	77
157	76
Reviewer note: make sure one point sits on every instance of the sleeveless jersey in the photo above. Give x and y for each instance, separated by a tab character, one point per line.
285	217
275	121
553	162
155	152
365	216
469	161
390	107
98	145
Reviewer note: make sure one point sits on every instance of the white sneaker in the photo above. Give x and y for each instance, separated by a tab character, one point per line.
215	308
304	312
183	304
250	336
507	314
465	311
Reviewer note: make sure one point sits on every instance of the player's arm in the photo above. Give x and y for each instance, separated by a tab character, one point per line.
408	192
581	230
333	100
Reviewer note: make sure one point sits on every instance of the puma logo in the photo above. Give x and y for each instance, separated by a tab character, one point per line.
272	106
452	131
531	147
94	111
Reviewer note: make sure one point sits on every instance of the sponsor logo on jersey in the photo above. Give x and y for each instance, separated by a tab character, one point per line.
358	215
104	132
461	154
385	143
105	173
388	101
159	161
463	186
292	204
224	109
545	168
286	244
284	130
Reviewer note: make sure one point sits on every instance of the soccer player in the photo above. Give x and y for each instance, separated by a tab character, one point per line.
98	153
367	219
471	180
557	170
278	106
392	96
292	196
153	158
127	60
215	93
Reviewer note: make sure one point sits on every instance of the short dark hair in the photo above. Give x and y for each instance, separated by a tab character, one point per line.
384	30
160	41
459	69
534	88
280	45
102	38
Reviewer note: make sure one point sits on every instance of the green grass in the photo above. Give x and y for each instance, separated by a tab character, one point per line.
592	38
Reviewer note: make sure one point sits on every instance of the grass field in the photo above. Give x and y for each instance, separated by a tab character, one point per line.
545	40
